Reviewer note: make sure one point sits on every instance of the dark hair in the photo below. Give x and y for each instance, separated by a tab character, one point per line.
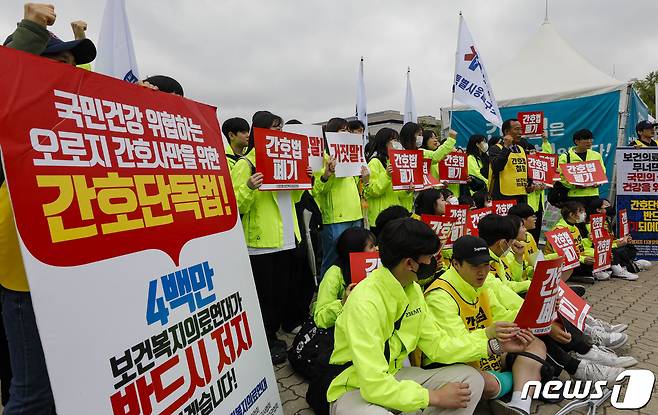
293	121
494	140
426	199
570	207
408	135
583	134
166	84
406	238
466	199
516	223
507	125
234	125
261	119
378	146
427	134
472	146
335	124
389	214
521	210
355	125
351	240
492	228
480	198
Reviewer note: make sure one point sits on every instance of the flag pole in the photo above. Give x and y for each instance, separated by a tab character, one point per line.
454	74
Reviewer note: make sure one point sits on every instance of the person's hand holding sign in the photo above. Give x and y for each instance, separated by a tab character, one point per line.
519	342
330	169
559	334
365	175
347	292
502	330
588	260
255	181
41	14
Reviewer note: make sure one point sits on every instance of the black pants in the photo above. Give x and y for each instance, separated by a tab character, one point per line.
301	289
272	274
583	270
625	256
536	233
5	365
558	354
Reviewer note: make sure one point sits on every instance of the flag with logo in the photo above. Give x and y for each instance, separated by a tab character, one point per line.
116	54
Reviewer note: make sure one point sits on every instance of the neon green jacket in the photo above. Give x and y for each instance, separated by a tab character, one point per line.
573	190
379	191
261	219
230	156
437	155
511	273
329	303
505	295
474	166
538	197
338	198
367	323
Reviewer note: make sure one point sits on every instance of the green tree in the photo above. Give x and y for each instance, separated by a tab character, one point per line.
646	89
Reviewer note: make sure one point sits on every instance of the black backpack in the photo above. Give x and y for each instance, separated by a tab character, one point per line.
311	349
559	193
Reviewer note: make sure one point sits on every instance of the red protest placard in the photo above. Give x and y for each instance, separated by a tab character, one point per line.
552	159
454	168
407	168
540	169
539	306
460	214
532	123
429	181
602	253
474	217
501	207
564	245
282	157
362	264
442	226
572	307
624	226
597	226
584	173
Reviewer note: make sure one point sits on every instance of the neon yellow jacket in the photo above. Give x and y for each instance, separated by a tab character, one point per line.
379	191
474	166
338	198
329	303
573	190
510	273
505	295
538	197
261	218
367	323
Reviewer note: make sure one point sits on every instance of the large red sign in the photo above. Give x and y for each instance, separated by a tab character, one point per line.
282	157
98	167
564	245
584	173
429	181
597	226
539	306
460	214
474	217
532	123
572	306
362	264
541	168
602	254
442	226
454	168
407	168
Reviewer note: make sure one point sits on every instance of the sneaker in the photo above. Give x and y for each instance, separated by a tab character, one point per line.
610	340
594	323
642	264
595	372
602	275
498	407
607	357
620	272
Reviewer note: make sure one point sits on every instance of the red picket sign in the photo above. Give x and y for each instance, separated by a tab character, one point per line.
584	173
282	157
407	168
442	226
532	123
540	169
624	226
564	245
597	226
474	217
602	254
501	207
553	160
539	306
429	181
460	214
454	168
572	307
362	264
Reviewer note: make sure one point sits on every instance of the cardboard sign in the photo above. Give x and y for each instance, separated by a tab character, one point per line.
406	168
315	142
564	245
538	310
130	237
584	173
572	307
347	148
474	217
460	214
597	226
442	226
362	264
541	170
429	181
624	226
602	254
282	157
532	123
454	168
501	207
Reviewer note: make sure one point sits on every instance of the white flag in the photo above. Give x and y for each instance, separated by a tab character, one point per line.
116	54
409	104
361	107
472	85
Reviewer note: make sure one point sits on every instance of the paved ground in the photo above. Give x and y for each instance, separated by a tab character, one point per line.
634	303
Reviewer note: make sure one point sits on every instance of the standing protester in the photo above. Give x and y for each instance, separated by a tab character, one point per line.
430	140
356	127
30	391
508	173
478	160
645	135
582	151
236	131
537	191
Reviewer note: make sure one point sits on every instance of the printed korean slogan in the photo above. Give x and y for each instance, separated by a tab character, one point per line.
362	264
539	307
406	168
282	157
129	233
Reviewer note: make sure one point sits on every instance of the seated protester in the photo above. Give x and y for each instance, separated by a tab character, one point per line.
482	199
379	191
236	130
624	264
337	282
465	310
383	321
516	267
527	215
433	202
391	213
478	159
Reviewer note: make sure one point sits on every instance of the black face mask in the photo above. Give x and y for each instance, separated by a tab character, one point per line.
426	270
610	212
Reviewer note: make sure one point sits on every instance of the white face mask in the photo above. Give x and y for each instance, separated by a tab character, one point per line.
453	200
484	147
581	217
396	145
419	141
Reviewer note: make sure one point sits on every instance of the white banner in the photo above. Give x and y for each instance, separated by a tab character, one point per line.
637	171
116	54
347	148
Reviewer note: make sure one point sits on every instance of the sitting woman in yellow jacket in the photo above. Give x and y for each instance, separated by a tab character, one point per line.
530	250
478	160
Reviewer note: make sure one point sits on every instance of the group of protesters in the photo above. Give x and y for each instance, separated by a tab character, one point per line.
432	329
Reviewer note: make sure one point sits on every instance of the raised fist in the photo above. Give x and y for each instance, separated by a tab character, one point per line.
41	14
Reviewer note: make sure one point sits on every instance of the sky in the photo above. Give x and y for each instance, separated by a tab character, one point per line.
299	58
